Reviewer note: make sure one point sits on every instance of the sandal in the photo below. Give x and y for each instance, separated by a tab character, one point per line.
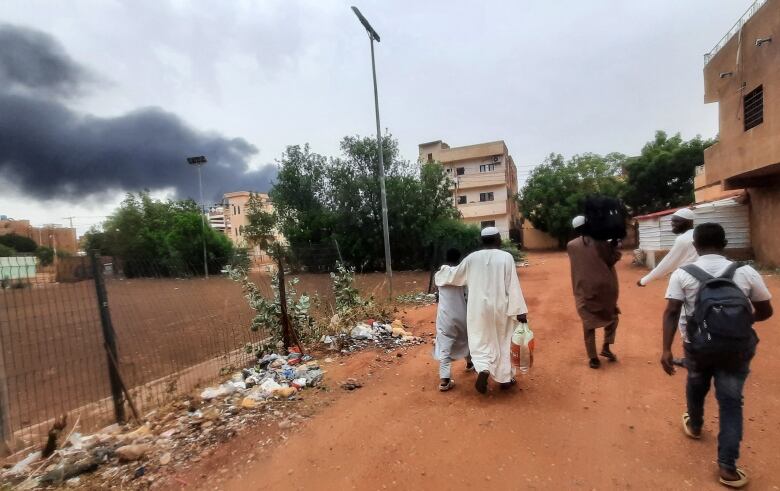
449	385
739	483
687	429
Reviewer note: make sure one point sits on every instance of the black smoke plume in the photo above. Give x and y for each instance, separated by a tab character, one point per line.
51	151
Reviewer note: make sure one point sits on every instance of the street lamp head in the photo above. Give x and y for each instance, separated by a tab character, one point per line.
364	21
200	160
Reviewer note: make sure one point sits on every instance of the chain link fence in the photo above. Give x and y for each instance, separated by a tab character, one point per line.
99	338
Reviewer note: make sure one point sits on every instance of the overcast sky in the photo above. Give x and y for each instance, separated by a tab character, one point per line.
240	80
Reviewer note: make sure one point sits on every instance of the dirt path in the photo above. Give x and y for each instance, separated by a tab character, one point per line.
568	427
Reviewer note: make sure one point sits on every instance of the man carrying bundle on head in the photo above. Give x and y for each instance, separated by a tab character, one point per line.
495	303
594	281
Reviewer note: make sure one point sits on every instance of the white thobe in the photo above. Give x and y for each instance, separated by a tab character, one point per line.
683	252
495	300
451	337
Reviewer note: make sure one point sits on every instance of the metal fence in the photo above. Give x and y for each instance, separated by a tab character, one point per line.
98	338
91	338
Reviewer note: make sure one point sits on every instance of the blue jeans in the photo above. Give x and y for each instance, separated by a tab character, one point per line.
729	380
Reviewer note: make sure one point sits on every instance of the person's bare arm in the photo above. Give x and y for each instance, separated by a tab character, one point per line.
671	318
763	310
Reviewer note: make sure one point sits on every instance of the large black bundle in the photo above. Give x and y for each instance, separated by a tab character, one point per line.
605	218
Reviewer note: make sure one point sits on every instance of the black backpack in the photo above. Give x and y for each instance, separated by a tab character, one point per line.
605	218
721	326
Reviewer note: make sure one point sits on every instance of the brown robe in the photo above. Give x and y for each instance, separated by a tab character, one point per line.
594	280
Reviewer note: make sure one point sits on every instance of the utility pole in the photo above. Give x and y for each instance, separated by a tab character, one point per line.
374	36
200	162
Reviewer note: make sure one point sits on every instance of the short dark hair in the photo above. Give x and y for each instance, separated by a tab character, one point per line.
709	236
452	256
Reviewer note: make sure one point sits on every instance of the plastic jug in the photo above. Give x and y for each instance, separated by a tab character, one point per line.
522	352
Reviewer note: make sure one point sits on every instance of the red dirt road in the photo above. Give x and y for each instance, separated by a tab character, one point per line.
567	427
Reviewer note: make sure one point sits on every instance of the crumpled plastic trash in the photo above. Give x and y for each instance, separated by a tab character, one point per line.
21	466
299	383
288	372
223	390
314	377
362	331
269	385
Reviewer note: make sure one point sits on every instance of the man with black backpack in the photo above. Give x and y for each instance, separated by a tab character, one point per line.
721	301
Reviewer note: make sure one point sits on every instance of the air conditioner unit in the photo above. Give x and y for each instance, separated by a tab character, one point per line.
496	159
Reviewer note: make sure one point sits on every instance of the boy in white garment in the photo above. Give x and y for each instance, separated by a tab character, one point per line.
452	342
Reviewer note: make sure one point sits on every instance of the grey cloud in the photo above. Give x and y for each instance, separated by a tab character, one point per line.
34	61
52	151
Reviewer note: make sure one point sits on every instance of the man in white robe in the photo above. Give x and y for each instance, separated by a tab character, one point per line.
495	304
682	251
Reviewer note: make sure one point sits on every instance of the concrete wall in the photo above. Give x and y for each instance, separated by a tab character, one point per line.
534	239
60	238
739	151
765	225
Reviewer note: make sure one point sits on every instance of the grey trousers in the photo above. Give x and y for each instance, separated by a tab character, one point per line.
590	337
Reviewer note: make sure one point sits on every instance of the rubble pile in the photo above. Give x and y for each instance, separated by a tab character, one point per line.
372	334
177	436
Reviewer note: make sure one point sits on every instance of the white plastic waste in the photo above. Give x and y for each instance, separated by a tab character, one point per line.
362	331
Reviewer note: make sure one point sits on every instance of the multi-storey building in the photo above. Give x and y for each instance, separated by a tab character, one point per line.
62	239
484	183
235	206
742	74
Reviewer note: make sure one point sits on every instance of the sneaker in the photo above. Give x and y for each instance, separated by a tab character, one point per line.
446	384
594	363
509	385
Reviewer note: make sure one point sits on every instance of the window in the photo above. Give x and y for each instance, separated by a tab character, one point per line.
462	200
486	196
489	223
239	210
430	157
487	167
460	171
754	108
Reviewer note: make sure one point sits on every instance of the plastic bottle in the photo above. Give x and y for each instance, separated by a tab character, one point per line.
522	352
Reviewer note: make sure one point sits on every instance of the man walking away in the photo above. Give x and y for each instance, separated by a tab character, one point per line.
452	341
683	252
495	301
721	301
595	284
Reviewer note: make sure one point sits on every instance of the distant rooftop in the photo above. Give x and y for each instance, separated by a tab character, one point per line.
734	29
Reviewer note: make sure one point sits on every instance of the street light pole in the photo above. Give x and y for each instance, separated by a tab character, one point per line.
372	36
200	162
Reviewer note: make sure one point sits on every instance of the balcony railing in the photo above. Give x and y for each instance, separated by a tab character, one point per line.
734	29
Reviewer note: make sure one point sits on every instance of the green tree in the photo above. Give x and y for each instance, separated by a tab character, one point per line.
661	177
6	251
18	243
555	190
45	255
319	200
159	237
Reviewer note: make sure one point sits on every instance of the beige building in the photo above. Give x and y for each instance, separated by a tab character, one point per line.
742	74
484	183
54	236
235	205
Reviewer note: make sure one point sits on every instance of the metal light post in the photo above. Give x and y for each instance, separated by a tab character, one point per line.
200	162
373	36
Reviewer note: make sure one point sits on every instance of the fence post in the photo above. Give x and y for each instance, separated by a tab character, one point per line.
109	336
286	338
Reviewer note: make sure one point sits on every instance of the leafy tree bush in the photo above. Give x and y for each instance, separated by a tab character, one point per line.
45	255
6	251
318	200
662	176
155	237
18	243
555	190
